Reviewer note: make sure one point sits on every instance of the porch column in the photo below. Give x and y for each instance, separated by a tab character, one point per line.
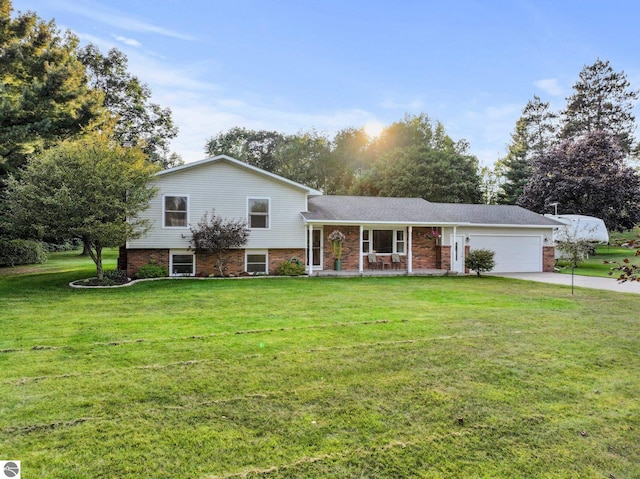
453	248
310	248
410	250
360	266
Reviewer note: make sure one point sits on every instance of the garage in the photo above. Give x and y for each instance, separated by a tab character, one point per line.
513	254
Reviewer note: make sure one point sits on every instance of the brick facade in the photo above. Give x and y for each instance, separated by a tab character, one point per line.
139	257
548	259
427	253
234	261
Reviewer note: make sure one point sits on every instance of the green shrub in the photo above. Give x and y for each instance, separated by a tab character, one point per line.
152	270
290	268
17	252
480	260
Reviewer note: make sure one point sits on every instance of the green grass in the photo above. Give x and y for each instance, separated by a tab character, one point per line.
363	377
595	266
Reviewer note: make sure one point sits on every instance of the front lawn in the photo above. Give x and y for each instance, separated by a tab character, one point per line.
297	377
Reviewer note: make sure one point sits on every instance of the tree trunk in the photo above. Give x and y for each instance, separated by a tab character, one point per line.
220	269
86	249
97	259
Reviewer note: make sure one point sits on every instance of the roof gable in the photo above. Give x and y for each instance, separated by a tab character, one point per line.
239	164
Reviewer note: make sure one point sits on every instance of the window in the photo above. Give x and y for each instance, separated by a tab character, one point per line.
366	243
258	213
384	241
176	211
183	264
256	263
400	241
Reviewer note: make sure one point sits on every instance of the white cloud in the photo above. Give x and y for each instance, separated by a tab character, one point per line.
549	86
128	41
118	19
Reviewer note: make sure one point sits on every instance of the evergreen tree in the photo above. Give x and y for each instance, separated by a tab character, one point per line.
534	132
602	101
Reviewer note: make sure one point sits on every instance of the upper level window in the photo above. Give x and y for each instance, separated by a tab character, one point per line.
258	213
176	211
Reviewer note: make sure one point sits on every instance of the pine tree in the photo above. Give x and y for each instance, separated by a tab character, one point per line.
603	101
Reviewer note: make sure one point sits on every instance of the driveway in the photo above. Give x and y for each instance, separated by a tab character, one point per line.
609	284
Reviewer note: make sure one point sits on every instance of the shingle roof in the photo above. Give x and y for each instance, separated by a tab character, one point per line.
369	209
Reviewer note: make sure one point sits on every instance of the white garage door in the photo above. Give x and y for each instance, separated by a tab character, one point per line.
514	254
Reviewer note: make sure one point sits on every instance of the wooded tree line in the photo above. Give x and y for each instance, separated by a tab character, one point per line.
412	158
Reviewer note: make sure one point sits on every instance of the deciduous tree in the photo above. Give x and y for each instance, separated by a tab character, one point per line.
44	95
257	148
586	175
218	235
91	189
138	121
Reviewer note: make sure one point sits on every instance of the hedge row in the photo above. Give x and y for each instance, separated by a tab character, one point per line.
16	252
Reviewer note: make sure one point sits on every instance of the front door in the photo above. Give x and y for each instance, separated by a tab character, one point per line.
317	249
457	253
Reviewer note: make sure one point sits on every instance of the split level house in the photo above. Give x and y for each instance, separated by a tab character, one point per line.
289	221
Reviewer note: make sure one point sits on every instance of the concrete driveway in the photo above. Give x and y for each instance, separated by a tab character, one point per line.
609	284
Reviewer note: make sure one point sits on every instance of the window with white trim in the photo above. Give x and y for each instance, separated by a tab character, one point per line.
256	262
366	243
182	263
400	242
384	241
258	213
175	211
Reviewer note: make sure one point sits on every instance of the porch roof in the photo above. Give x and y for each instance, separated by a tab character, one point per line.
416	211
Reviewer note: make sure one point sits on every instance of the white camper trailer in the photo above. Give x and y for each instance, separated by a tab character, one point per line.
580	228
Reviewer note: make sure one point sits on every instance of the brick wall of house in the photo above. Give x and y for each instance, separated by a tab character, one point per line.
278	256
140	257
425	249
548	259
233	263
350	247
445	258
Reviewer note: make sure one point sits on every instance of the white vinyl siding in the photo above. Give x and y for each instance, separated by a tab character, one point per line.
225	187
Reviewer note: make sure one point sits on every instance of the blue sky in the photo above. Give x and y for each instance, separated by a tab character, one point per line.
296	65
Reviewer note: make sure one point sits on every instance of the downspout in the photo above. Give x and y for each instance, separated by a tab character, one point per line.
410	250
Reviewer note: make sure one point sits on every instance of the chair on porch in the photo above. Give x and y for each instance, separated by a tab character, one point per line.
396	261
373	262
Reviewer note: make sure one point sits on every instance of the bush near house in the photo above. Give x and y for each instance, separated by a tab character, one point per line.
480	260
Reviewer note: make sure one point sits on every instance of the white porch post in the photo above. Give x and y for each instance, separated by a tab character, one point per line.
310	246
360	266
410	250
453	247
